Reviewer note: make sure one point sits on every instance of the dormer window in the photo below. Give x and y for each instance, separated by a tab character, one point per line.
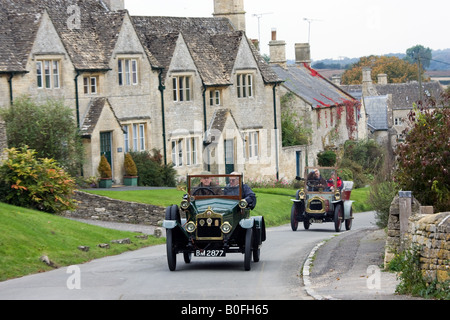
182	88
48	74
128	72
245	85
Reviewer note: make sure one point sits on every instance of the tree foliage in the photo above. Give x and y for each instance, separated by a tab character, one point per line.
417	52
49	129
397	70
424	157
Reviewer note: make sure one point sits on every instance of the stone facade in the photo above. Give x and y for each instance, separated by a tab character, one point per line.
96	207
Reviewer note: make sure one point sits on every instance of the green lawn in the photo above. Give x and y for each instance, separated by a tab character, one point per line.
26	235
272	203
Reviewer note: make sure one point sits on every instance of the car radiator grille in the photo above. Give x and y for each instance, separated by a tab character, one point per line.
209	228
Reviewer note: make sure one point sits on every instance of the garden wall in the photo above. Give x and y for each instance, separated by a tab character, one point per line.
409	226
101	208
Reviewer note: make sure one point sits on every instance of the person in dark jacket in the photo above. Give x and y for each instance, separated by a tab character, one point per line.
247	193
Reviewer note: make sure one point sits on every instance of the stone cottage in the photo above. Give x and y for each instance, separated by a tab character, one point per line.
194	88
332	115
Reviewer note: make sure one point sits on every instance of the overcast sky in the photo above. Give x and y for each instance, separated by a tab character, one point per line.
339	28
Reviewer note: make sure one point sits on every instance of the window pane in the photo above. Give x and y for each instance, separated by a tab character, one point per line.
47	74
239	85
120	72
180	89
135	137
55	74
250	86
188	88
126	139
180	152
142	137
39	74
135	72
175	89
86	85
174	153
127	72
93	85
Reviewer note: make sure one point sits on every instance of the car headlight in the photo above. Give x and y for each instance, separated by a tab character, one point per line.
337	195
190	227
226	227
243	204
185	204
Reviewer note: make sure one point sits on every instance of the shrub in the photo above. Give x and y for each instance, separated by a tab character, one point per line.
152	172
104	168
48	128
326	158
380	198
35	183
130	166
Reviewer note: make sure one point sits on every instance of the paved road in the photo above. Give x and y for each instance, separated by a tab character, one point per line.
144	274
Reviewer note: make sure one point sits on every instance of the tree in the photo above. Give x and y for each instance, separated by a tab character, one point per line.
417	52
397	70
424	158
48	128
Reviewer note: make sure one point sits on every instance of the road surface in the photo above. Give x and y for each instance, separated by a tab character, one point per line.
144	274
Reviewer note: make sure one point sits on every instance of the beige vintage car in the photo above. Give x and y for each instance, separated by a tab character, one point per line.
322	198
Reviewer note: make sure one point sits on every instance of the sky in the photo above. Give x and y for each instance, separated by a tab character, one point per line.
338	28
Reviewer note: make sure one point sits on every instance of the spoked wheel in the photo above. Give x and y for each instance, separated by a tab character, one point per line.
349	222
248	249
338	214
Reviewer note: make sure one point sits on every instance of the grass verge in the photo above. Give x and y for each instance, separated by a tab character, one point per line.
26	235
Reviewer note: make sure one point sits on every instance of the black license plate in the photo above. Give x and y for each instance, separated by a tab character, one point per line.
210	253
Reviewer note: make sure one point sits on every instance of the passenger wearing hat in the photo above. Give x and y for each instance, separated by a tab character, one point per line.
247	193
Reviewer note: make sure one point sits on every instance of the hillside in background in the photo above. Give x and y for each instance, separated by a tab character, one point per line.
441	61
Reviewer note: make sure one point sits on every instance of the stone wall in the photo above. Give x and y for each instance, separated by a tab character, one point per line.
106	209
431	232
409	227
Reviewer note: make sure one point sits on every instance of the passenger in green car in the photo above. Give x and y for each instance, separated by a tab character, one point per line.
247	193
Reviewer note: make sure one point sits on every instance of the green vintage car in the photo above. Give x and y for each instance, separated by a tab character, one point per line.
322	198
212	220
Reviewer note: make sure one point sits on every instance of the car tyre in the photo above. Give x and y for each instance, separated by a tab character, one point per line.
248	249
349	222
171	253
294	222
187	257
338	217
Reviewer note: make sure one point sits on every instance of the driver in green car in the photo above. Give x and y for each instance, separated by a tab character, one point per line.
207	187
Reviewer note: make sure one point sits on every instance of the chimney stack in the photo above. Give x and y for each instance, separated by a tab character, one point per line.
277	50
233	10
302	53
382	78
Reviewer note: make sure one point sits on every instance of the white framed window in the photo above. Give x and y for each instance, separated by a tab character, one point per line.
398	121
134	137
177	152
90	85
191	151
244	85
214	98
48	74
128	72
252	145
182	88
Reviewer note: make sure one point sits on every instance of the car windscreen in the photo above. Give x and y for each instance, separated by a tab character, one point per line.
320	179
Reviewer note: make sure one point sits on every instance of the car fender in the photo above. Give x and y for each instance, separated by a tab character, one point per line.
169	224
246	223
347	208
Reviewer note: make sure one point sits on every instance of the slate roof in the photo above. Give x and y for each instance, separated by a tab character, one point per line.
90	46
309	85
404	95
95	110
376	108
212	42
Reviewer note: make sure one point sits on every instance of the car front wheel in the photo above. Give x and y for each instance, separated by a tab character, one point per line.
248	249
